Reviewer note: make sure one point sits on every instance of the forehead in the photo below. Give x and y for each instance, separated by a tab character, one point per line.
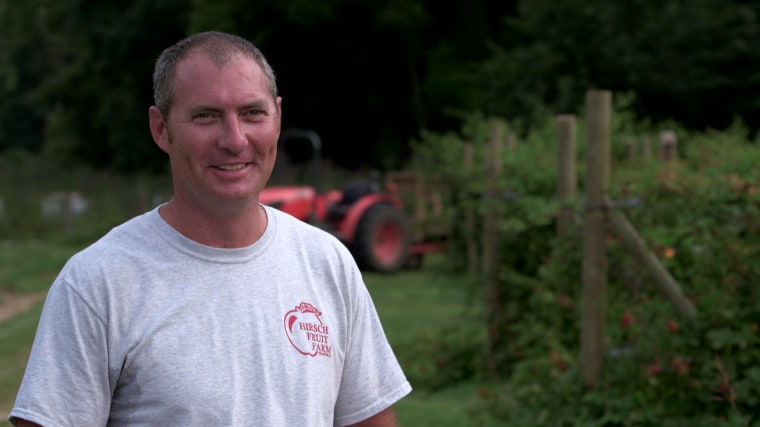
198	78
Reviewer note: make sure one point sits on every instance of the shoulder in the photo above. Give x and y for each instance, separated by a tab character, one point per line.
113	254
291	226
134	233
323	250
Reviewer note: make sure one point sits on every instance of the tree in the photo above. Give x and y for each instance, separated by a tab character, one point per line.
371	76
86	86
688	61
28	51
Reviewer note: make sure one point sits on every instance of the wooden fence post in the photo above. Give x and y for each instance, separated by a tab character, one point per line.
646	149
567	183
634	244
491	243
594	295
631	152
469	214
668	146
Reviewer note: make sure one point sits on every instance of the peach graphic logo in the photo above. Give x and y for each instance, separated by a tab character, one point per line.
306	332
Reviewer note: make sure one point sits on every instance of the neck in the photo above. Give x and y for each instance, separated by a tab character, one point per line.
218	229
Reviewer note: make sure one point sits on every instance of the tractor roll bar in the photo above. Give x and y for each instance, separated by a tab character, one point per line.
316	159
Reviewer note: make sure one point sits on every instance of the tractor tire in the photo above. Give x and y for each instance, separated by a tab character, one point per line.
381	242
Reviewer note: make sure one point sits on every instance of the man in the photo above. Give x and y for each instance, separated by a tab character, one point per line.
212	309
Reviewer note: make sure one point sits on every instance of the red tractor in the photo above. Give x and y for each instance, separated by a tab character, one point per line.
370	221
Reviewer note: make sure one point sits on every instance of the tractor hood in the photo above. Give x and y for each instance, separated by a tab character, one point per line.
296	200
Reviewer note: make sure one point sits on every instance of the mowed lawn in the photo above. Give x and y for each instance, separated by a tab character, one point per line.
16	337
422	305
411	304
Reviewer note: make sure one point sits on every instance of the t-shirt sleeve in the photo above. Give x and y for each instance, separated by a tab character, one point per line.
372	378
66	381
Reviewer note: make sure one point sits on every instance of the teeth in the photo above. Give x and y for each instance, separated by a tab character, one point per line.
232	167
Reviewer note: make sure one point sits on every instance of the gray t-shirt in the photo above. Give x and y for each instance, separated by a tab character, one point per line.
146	327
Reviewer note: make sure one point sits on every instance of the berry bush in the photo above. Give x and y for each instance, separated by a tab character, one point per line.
700	214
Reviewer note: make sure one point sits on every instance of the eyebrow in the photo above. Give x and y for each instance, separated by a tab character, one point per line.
204	109
256	104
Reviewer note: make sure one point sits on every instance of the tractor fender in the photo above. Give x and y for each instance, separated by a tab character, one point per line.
347	227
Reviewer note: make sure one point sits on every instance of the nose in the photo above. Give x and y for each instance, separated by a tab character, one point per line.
233	135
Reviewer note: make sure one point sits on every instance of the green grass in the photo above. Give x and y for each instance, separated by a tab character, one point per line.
411	304
16	336
30	266
416	307
25	266
453	406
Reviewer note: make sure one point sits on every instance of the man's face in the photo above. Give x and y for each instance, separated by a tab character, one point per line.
221	133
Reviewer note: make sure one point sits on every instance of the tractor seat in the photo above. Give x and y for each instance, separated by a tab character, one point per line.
353	191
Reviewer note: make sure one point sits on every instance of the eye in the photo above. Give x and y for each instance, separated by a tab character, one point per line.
203	117
254	112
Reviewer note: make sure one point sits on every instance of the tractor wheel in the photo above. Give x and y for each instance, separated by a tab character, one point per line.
382	239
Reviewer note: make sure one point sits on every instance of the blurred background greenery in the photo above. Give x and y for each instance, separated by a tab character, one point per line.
372	75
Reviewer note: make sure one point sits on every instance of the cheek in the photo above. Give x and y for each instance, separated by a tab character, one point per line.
270	156
189	146
266	149
273	150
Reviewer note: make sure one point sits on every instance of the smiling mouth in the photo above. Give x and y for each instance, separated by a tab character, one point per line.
236	166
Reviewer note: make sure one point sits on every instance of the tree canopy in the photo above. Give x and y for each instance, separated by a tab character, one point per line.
370	76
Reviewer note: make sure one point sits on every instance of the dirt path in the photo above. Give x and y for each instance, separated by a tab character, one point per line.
12	303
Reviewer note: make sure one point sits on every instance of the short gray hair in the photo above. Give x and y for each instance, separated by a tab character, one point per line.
221	48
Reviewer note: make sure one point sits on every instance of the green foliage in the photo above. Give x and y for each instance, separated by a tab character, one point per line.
699	215
76	79
550	53
445	356
75	76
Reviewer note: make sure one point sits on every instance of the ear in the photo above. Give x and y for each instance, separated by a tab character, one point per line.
278	106
158	128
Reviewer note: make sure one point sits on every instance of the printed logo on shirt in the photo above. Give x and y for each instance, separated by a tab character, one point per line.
306	332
